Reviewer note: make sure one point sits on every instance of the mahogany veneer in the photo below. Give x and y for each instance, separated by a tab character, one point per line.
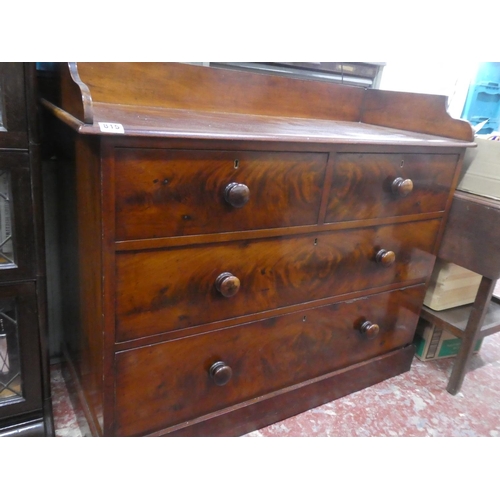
247	246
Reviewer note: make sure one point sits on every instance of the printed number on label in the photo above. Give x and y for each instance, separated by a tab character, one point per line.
112	128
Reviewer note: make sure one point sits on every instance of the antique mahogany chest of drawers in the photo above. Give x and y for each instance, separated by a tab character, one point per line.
241	247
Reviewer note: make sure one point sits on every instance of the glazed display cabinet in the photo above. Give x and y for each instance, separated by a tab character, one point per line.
25	408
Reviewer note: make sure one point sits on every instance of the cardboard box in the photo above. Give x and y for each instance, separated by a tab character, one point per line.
433	342
481	169
451	286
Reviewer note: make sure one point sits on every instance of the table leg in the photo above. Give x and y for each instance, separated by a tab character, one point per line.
471	334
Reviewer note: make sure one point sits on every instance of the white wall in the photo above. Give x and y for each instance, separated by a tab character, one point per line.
449	78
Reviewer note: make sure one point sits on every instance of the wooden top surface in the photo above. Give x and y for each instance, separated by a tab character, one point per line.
189	101
177	123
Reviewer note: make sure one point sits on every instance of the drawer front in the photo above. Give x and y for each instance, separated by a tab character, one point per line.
160	291
173	193
170	383
362	186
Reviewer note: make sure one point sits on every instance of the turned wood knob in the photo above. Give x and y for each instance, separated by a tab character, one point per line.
385	257
237	195
369	329
220	373
402	187
227	284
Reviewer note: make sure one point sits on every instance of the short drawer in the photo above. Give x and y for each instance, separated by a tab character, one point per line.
370	186
169	383
165	290
163	192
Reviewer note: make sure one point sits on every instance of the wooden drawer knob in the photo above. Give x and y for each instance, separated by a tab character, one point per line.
220	373
402	187
227	284
369	329
237	195
385	257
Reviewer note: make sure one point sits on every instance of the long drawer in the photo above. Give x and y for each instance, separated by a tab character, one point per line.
369	186
168	383
161	192
165	290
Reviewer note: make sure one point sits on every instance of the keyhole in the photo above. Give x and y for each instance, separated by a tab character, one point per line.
315	241
236	163
402	163
304	318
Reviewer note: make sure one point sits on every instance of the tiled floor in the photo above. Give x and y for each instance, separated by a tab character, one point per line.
415	403
66	411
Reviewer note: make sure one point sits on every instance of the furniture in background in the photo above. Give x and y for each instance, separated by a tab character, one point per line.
471	240
362	74
239	247
25	406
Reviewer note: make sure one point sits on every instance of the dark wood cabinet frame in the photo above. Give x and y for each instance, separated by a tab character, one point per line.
25	281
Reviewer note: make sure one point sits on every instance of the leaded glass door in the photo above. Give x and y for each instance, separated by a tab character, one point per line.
6	209
16	223
13	130
10	363
24	408
20	376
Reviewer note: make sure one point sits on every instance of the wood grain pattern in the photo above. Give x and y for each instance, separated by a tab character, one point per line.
361	186
159	291
179	123
182	241
81	271
471	334
410	111
169	383
154	233
259	412
342	139
108	254
75	96
174	193
473	225
185	86
213	90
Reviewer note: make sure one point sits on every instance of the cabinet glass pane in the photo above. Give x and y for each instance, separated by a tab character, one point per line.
10	367
1	109
6	246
